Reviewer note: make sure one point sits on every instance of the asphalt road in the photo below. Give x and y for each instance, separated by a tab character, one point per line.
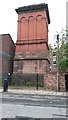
35	100
35	106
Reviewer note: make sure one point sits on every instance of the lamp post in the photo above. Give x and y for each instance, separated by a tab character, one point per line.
58	83
9	81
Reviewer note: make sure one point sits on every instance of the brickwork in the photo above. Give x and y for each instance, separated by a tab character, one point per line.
31	60
42	54
31	66
7	49
31	47
30	26
32	41
50	81
7	44
32	33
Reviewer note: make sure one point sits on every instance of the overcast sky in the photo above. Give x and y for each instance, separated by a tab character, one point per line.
8	16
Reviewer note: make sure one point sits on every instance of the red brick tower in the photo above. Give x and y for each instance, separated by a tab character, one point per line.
31	54
32	34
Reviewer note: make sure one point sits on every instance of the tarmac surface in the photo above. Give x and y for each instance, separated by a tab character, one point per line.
11	106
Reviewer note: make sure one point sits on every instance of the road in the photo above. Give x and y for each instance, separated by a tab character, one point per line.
35	106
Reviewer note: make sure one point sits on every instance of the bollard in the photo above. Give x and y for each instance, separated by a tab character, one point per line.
37	82
5	84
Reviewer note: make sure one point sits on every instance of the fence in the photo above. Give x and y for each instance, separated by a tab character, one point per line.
29	72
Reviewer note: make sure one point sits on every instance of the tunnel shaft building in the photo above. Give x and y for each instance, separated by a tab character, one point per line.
31	53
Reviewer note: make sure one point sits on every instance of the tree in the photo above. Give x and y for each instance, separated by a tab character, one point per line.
63	51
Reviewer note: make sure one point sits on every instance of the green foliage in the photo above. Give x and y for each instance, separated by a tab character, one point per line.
63	50
27	84
0	83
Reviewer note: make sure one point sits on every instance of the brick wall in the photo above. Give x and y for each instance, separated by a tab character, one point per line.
32	41
7	49
31	66
32	28
8	44
50	81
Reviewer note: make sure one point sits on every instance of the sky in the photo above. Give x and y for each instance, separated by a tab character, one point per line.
9	17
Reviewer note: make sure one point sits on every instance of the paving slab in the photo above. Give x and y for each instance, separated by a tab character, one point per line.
38	92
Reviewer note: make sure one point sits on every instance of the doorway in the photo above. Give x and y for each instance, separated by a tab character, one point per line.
66	81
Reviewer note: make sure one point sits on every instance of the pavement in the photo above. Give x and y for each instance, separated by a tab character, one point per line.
34	91
25	112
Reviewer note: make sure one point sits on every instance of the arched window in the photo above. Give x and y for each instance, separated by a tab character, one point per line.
30	18
23	28
39	17
23	19
31	27
39	26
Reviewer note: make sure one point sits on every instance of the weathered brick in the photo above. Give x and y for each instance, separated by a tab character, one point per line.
7	49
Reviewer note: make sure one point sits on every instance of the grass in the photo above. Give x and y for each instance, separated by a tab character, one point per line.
27	84
0	82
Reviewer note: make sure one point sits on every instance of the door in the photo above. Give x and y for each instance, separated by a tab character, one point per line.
66	82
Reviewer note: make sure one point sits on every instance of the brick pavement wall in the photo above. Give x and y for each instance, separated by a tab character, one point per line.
50	81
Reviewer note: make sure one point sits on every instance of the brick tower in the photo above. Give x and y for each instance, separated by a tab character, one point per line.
31	54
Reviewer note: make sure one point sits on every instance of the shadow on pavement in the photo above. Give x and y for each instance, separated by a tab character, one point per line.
29	118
